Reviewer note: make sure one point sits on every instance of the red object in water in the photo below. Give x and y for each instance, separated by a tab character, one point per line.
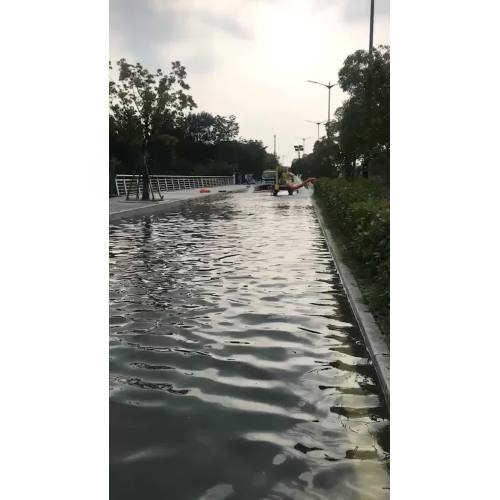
204	190
295	187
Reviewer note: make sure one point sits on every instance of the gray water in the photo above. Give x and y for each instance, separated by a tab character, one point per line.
236	367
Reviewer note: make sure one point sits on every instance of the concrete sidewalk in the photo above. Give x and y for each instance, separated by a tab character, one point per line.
119	207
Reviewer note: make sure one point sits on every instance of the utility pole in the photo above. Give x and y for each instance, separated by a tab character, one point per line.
371	25
274	145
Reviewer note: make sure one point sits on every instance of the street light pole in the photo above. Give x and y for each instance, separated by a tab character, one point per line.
315	123
372	8
329	87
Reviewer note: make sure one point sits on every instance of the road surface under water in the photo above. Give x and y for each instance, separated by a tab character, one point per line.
236	368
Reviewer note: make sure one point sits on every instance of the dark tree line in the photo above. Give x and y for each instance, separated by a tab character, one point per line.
153	129
357	139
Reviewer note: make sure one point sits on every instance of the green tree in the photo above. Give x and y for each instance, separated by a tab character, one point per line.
143	105
226	129
321	162
248	156
363	122
206	128
348	132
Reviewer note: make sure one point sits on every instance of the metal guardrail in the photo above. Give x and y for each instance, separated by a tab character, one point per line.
127	184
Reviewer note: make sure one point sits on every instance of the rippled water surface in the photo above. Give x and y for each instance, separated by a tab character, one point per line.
236	368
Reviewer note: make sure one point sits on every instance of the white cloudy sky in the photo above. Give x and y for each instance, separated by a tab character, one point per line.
251	58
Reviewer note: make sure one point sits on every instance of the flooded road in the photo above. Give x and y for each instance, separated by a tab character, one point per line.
236	368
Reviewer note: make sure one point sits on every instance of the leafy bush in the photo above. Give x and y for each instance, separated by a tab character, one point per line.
358	212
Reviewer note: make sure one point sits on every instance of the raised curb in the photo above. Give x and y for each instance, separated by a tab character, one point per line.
374	340
166	205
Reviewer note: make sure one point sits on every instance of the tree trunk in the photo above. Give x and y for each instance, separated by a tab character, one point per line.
351	167
112	175
365	168
145	176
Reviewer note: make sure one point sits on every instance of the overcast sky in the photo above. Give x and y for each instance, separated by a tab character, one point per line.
251	58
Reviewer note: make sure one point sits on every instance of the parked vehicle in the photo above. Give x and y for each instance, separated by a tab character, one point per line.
268	177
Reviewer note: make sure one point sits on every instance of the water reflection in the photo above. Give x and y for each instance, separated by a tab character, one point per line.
236	368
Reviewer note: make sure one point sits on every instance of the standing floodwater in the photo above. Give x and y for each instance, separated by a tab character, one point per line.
236	368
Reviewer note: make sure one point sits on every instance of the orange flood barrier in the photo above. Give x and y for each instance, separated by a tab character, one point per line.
204	190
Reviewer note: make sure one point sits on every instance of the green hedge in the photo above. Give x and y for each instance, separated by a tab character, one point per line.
358	213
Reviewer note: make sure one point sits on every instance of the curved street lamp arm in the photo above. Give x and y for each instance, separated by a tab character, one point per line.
312	81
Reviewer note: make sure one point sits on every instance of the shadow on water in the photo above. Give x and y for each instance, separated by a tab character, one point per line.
236	368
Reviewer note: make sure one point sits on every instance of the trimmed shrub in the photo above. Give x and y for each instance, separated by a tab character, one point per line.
358	212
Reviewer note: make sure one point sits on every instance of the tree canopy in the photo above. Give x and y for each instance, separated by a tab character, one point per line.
146	104
209	129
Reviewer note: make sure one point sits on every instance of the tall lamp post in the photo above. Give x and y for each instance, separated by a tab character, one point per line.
329	87
316	123
372	8
370	50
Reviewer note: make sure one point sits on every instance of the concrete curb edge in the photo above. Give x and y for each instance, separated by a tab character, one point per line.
374	340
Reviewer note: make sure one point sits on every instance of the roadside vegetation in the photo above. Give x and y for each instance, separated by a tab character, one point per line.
358	215
352	163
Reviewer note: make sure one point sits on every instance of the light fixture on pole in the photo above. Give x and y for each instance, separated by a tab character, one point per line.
329	87
304	139
299	148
